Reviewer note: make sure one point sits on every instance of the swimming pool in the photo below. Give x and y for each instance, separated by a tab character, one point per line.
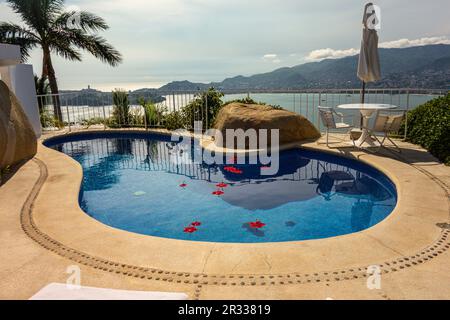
134	182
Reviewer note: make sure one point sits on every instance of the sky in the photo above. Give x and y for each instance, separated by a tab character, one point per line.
210	40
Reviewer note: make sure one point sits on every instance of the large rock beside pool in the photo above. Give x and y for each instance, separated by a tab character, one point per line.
292	127
17	138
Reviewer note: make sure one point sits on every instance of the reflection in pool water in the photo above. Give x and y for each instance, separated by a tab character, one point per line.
135	182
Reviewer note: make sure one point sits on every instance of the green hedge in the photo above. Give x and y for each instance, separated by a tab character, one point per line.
429	126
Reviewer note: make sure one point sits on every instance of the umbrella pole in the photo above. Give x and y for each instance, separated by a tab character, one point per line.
363	98
363	92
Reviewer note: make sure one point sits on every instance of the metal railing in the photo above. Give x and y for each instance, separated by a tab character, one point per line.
86	110
92	108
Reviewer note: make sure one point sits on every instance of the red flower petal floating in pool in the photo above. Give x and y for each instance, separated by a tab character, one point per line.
183	185
218	193
190	229
196	224
232	170
256	225
221	185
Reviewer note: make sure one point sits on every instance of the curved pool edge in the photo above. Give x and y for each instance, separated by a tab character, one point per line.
310	153
388	239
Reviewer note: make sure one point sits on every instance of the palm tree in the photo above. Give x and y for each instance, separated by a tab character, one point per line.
42	85
57	31
42	88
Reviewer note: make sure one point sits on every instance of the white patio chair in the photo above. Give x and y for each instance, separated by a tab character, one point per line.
327	115
386	123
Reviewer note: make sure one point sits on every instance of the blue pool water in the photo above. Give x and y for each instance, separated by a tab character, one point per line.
133	181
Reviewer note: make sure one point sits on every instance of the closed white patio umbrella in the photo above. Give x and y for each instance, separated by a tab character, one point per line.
369	61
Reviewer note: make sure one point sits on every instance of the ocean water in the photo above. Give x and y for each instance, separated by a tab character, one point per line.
304	104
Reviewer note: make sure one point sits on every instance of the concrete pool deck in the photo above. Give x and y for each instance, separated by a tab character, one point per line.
43	231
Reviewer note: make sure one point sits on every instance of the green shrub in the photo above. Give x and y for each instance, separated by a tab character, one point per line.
429	126
121	109
48	120
111	122
196	109
174	120
135	118
210	100
248	100
92	121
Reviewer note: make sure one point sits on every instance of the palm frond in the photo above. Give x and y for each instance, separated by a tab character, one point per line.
37	14
95	45
48	26
101	49
14	34
87	21
63	48
42	85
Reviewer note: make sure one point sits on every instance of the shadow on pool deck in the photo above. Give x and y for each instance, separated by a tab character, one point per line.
11	171
410	153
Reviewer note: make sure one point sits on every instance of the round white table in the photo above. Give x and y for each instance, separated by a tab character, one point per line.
366	110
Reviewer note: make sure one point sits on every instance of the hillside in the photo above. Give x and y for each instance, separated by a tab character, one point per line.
423	67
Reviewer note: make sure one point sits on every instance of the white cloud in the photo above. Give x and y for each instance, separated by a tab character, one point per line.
329	53
404	43
269	56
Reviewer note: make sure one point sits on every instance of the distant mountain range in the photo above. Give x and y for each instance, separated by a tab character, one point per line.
414	67
92	97
425	67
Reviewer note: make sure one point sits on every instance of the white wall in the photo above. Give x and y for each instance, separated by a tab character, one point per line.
20	80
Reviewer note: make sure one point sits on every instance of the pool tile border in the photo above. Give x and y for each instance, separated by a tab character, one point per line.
436	248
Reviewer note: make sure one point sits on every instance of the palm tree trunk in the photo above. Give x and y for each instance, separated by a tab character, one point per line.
47	70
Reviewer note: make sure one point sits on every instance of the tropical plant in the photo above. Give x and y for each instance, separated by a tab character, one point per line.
204	107
42	89
429	126
248	100
174	120
121	105
136	118
153	113
92	122
47	120
57	31
42	85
